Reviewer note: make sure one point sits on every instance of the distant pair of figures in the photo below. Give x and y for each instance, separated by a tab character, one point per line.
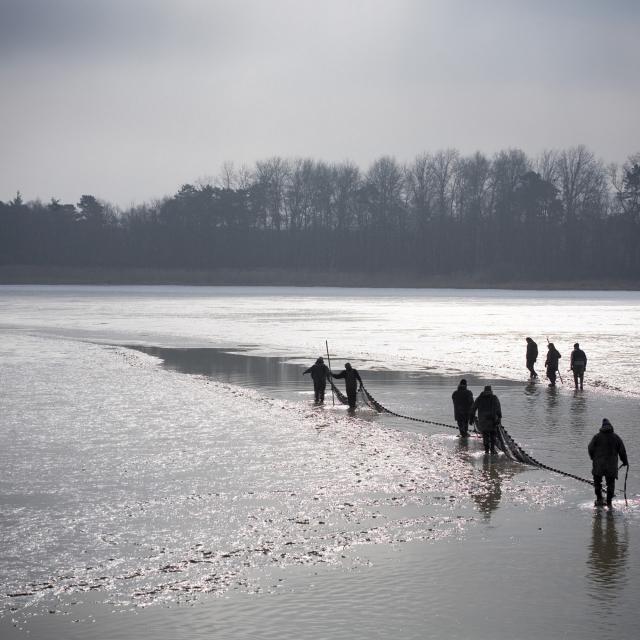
320	373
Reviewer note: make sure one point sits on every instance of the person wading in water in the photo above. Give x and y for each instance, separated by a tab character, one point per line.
604	449
351	380
319	374
551	363
532	356
578	365
489	412
462	406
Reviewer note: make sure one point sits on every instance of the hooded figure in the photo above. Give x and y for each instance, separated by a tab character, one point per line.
578	364
604	449
462	406
351	379
553	356
532	356
319	373
489	412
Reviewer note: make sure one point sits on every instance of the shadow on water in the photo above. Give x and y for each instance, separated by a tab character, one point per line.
578	412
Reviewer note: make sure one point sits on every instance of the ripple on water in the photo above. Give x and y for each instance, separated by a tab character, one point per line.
143	486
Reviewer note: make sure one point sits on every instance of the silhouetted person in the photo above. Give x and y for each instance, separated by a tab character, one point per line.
462	407
351	380
604	449
551	363
532	356
578	364
319	374
489	413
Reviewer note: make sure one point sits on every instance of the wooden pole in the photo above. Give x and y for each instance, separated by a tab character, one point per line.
333	398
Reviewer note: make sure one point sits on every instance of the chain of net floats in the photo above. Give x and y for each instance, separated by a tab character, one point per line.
506	443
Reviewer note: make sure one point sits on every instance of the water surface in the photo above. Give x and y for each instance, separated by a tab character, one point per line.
165	472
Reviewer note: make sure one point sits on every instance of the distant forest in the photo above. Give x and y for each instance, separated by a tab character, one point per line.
563	216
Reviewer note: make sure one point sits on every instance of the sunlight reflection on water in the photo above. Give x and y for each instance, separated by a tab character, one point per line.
131	485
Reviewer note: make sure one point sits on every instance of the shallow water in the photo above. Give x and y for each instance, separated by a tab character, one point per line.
175	489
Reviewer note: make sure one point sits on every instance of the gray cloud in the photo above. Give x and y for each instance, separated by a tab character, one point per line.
127	99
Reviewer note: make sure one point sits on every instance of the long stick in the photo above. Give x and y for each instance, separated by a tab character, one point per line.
333	397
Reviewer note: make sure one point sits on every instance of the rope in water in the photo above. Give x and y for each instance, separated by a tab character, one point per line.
508	445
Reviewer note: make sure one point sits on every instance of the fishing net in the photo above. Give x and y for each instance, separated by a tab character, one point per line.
504	440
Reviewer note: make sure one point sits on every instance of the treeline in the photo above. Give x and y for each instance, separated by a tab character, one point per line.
563	216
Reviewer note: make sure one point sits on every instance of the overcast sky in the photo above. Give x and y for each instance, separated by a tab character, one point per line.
129	99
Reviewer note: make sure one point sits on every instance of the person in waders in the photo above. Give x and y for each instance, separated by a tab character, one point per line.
462	406
487	406
551	363
319	374
578	365
351	380
604	449
532	356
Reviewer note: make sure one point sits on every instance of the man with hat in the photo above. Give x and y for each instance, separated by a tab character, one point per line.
551	363
319	373
489	412
604	449
462	405
578	364
532	356
352	381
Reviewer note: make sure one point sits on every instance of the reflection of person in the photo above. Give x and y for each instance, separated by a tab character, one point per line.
489	500
319	374
532	356
351	380
489	412
604	449
607	557
553	356
462	405
578	364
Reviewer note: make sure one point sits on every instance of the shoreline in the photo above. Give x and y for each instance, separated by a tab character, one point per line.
33	274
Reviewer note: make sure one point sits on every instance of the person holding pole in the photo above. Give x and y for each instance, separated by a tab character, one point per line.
551	363
604	449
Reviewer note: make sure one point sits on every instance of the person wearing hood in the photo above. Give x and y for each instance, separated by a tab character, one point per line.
551	363
578	364
351	380
462	406
604	450
532	356
487	406
319	374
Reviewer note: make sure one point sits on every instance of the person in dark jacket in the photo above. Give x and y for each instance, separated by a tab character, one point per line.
462	406
578	364
551	363
319	374
532	356
351	380
487	406
604	449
